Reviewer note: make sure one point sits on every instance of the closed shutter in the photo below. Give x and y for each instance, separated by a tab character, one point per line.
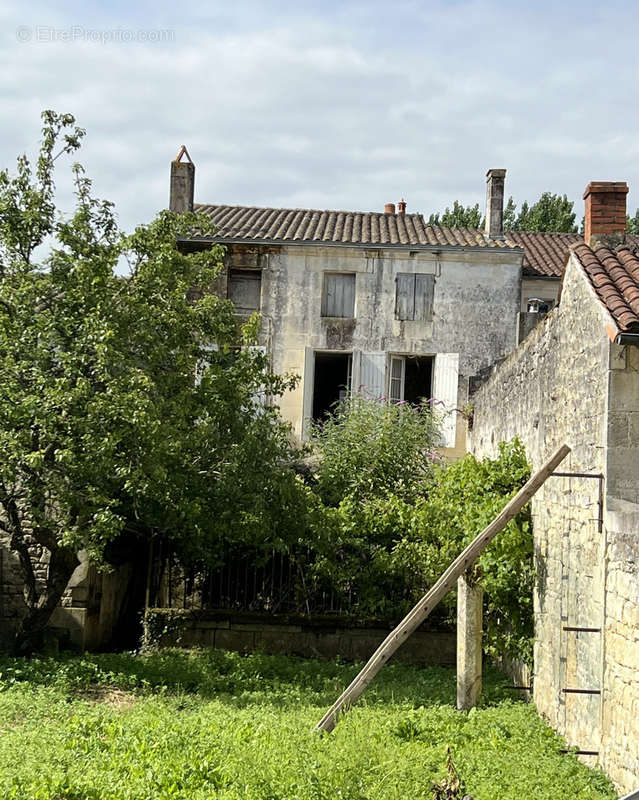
445	384
424	291
414	296
245	289
405	296
373	374
338	298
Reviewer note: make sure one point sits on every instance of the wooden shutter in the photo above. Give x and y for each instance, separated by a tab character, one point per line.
307	390
338	298
405	296
424	291
397	378
373	374
245	289
445	384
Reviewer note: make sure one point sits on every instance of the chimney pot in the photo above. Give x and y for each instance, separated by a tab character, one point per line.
389	208
401	206
182	183
494	226
605	213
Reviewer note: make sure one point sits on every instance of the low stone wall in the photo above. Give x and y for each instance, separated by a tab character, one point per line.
320	638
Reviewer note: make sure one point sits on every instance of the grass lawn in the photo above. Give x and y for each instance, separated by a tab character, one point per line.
198	725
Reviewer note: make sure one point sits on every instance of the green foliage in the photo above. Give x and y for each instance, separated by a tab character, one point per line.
387	550
632	223
104	429
370	448
458	217
552	213
191	726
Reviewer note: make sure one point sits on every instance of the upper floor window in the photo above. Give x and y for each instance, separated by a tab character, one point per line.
414	296
338	296
245	289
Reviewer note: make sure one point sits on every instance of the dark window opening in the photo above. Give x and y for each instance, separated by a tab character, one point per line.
418	379
331	382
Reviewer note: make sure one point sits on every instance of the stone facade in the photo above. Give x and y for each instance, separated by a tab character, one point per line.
475	303
568	383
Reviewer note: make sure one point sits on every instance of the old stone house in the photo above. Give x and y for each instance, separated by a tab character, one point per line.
575	380
377	302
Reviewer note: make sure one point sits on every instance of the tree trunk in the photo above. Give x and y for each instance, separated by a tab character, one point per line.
30	634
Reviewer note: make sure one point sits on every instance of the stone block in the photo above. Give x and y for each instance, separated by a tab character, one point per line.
239	641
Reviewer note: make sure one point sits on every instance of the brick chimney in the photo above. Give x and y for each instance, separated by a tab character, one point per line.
182	183
401	206
605	213
389	208
494	227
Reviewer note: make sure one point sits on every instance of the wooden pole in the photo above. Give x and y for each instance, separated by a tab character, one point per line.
445	583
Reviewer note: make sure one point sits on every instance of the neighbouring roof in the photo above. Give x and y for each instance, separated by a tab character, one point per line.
545	254
287	225
614	275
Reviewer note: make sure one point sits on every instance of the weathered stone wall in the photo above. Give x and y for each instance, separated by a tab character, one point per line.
567	383
476	300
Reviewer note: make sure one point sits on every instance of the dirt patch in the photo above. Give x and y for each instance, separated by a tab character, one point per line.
115	698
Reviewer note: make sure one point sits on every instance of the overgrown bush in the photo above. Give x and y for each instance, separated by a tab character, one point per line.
387	551
370	448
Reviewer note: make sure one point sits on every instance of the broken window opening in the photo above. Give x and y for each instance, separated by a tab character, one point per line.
331	382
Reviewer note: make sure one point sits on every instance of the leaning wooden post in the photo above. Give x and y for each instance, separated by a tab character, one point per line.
441	588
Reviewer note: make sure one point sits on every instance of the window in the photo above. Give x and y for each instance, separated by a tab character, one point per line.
338	296
410	379
414	296
245	289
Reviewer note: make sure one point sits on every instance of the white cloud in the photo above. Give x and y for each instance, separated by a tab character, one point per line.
347	107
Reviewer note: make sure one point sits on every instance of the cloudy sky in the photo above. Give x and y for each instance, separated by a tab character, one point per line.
342	105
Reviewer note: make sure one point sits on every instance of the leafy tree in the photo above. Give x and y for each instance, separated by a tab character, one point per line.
458	217
632	223
552	213
105	432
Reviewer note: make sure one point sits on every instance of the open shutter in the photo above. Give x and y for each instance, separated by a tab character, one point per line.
259	397
445	384
307	390
373	374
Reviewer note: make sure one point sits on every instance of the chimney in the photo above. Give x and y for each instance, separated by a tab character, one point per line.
182	183
401	206
605	213
389	208
495	179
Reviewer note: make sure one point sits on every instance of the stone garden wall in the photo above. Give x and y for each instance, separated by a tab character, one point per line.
567	383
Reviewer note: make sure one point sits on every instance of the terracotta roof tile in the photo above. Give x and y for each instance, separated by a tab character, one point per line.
544	253
614	275
243	223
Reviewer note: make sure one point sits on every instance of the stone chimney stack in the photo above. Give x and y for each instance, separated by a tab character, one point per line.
401	206
605	213
182	183
495	179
